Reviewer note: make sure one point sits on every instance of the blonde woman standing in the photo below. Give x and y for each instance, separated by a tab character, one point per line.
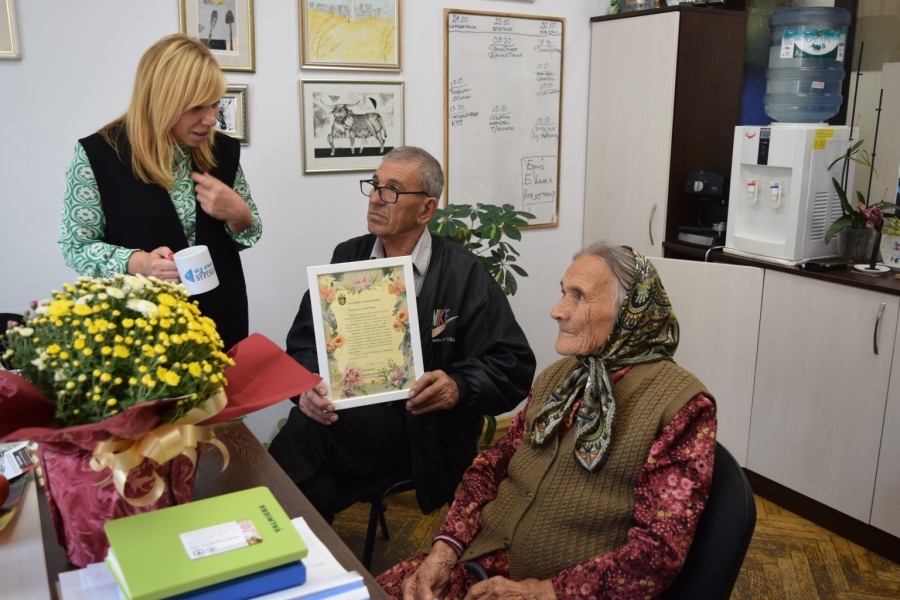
160	178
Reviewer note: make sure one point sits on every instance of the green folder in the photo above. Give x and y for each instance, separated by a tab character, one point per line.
229	536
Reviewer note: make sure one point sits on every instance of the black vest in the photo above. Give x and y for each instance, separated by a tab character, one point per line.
142	216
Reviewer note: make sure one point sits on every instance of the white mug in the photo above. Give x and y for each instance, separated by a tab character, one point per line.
196	270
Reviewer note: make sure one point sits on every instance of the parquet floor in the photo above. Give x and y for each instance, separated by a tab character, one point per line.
789	557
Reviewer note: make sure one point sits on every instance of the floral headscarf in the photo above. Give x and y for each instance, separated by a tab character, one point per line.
645	331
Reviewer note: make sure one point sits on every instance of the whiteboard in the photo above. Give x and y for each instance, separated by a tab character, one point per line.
503	111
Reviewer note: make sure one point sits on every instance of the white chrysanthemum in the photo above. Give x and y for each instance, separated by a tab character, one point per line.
115	292
41	310
39	363
84	299
145	307
138	282
25	331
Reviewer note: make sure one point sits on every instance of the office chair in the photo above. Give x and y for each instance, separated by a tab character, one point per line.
723	535
376	497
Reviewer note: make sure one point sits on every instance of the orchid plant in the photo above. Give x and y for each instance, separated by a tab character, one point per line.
864	216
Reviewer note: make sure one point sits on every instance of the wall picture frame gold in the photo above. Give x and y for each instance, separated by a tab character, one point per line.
225	26
9	31
350	125
232	117
357	35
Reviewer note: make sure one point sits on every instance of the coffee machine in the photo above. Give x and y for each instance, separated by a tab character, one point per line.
711	189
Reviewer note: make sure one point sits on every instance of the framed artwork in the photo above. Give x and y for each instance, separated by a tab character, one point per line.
232	117
9	31
350	34
225	26
349	125
367	330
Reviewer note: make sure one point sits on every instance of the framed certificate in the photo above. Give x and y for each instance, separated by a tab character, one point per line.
367	330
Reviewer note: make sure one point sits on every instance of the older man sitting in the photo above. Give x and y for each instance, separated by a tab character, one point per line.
598	485
476	357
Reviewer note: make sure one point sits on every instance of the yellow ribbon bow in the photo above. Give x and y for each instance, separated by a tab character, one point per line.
161	444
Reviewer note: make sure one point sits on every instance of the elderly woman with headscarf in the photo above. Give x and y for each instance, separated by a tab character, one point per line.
597	487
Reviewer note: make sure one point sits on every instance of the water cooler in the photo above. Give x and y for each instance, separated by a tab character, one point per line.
782	200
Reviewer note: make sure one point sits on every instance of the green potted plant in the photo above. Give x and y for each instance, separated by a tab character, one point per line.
457	223
856	224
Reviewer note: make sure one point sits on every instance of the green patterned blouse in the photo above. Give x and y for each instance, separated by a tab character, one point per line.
83	221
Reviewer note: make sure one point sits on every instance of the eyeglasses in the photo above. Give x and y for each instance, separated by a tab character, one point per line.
387	194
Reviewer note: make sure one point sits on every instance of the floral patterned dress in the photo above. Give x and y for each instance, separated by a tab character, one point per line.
84	224
672	489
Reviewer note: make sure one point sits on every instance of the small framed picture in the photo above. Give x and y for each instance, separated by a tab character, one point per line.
349	34
633	5
367	330
232	117
9	31
349	125
225	26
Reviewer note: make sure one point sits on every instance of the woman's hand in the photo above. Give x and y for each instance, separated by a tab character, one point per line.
221	202
157	263
432	575
501	587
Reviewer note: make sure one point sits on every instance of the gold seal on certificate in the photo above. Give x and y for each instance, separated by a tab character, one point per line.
367	330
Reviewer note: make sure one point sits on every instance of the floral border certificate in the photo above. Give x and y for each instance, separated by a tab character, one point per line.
367	330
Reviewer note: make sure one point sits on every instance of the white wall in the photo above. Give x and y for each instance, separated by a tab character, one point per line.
76	73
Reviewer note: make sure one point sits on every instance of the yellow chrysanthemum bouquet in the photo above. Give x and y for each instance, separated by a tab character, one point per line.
101	346
120	381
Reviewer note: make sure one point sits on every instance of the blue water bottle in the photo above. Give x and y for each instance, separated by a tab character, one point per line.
806	64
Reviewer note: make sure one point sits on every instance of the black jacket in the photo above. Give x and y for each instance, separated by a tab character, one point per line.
141	216
481	347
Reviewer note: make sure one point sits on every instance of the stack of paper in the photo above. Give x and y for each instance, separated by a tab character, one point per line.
325	577
233	546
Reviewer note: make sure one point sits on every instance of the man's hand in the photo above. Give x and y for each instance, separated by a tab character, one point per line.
432	575
435	390
221	202
501	587
157	263
316	406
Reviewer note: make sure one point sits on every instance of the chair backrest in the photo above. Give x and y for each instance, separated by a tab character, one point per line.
723	535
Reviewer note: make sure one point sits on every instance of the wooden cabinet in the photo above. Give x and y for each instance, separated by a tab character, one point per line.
718	306
665	96
820	389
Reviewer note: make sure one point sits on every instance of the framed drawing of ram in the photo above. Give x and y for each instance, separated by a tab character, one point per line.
350	34
349	125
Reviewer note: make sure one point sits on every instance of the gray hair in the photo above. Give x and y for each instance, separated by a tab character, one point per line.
430	171
619	260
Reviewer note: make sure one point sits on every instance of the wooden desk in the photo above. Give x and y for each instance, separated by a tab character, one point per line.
886	283
250	466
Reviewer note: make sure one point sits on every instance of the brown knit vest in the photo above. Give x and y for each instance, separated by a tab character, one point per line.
550	513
